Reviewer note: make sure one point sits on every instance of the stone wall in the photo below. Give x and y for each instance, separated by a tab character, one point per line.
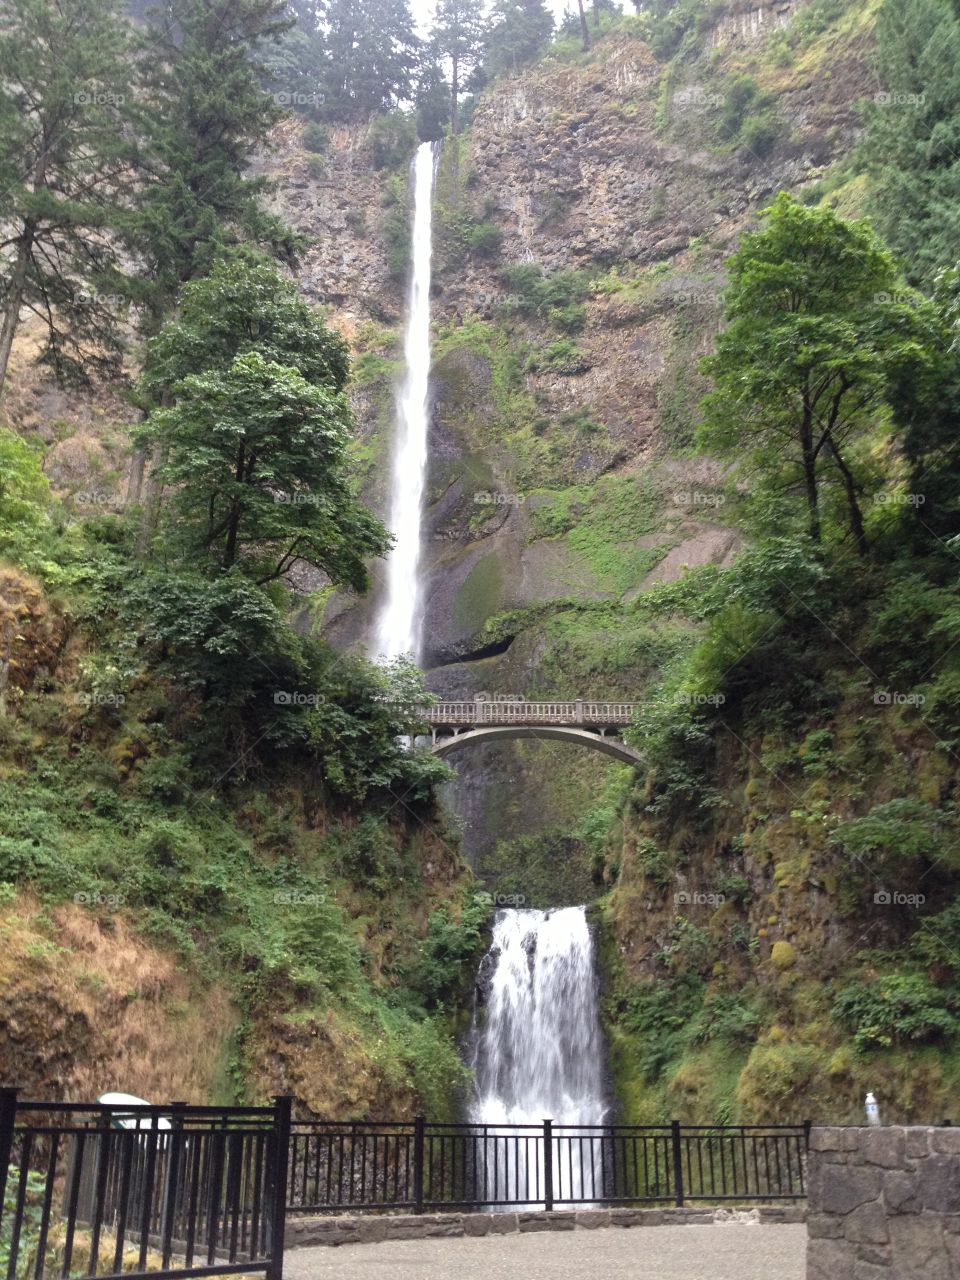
372	1228
884	1204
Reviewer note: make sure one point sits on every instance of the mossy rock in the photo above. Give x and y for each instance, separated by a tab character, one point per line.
783	956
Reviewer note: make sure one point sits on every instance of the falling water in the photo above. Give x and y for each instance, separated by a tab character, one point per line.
540	1053
398	626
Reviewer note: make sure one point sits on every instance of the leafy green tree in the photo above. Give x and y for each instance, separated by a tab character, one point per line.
371	56
457	37
243	305
254	441
202	114
816	332
64	91
518	31
912	144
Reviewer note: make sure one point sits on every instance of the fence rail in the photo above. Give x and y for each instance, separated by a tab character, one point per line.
419	1165
452	714
178	1190
109	1190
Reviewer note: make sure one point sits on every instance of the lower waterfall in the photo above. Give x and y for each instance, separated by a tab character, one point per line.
539	1052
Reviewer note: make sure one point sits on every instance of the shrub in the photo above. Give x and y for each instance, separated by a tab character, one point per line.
484	240
897	1008
314	138
392	140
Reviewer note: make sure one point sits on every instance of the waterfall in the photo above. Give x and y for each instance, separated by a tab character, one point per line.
539	1054
398	626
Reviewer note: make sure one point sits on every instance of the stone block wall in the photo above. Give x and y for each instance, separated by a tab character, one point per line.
884	1204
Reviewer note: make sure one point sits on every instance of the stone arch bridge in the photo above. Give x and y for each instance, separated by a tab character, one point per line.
598	725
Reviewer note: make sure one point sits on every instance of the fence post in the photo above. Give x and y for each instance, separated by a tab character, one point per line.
8	1116
548	1165
171	1182
419	1126
282	1106
807	1126
677	1163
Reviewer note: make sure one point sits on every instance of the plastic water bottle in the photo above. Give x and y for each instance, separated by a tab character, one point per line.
873	1111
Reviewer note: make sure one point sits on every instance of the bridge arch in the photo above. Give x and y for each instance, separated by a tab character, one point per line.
561	733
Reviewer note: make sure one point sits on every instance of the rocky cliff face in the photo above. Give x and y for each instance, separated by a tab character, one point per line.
560	482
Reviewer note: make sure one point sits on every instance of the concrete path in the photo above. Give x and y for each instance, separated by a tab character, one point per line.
728	1252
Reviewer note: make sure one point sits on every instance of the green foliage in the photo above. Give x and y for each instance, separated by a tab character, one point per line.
912	140
820	295
545	297
895	834
65	121
253	433
30	1223
203	113
449	954
392	139
314	138
24	495
898	1008
517	32
749	116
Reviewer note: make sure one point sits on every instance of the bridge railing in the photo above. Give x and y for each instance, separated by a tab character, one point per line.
475	713
419	1165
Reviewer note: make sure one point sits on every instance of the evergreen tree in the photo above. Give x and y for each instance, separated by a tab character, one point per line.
371	56
518	30
202	115
63	93
295	64
457	37
912	144
432	100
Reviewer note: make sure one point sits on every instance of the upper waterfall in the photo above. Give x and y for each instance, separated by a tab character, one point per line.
398	624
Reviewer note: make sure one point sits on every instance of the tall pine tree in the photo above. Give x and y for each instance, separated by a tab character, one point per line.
202	114
459	31
63	92
518	31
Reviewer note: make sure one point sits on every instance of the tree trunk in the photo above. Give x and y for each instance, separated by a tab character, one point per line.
454	95
583	26
853	503
810	474
11	314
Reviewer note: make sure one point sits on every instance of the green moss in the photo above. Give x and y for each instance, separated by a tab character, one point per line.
481	594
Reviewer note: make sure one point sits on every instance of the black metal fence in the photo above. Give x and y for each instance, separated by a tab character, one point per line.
419	1165
101	1191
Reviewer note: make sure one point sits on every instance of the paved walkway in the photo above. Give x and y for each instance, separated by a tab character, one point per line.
728	1252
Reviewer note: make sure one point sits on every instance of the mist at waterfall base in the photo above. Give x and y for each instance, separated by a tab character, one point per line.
539	1052
398	624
